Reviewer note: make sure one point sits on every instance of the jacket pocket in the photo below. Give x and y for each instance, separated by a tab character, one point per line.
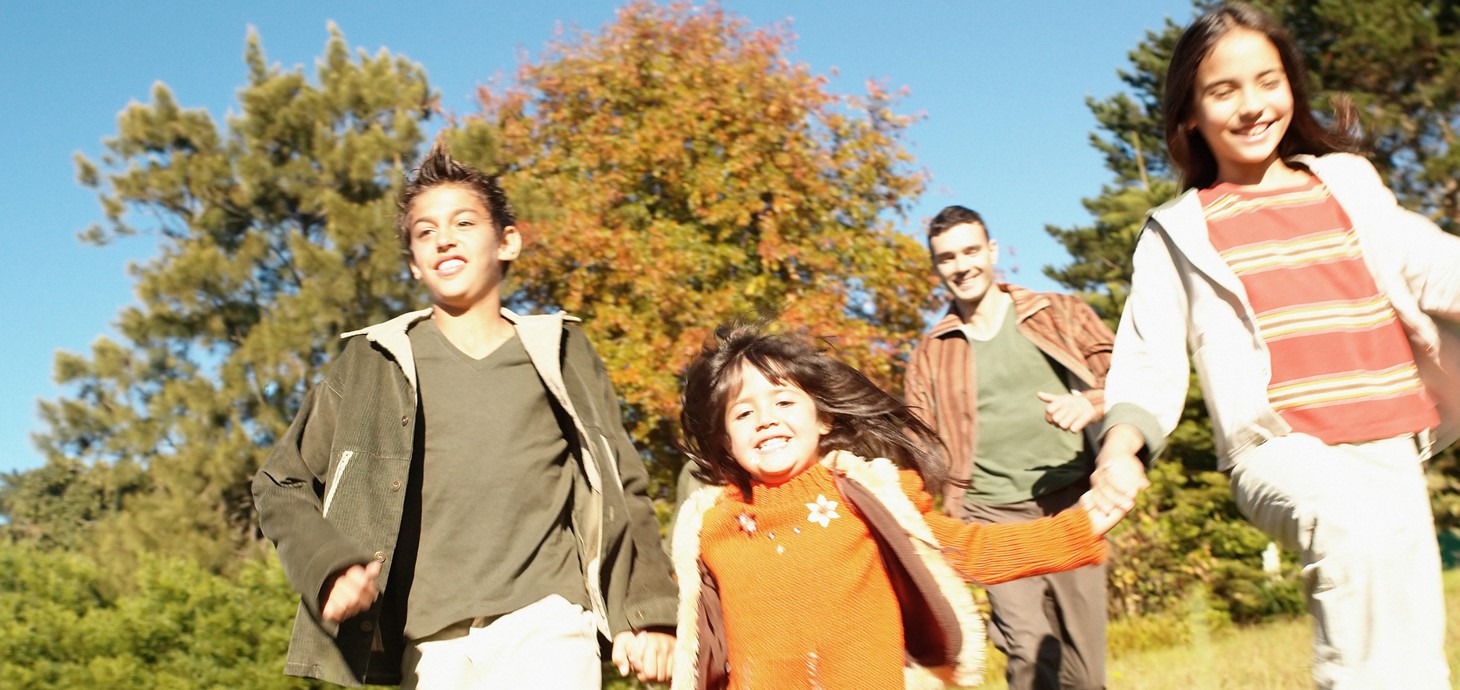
329	495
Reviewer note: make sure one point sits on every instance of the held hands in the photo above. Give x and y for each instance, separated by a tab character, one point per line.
1119	475
648	653
1101	521
1069	411
350	592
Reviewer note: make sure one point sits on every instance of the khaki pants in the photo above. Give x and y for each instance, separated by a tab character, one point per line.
549	644
1359	515
1052	627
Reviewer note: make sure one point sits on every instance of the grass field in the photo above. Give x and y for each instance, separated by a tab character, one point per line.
1274	656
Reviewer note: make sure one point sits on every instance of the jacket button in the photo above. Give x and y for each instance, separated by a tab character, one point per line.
395	485
367	626
380	556
404	420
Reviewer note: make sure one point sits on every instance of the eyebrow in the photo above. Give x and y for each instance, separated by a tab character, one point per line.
454	213
953	252
1233	80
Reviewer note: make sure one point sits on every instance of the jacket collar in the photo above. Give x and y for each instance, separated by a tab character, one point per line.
540	335
1026	303
1185	225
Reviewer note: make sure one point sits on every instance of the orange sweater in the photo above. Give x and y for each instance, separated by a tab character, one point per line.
806	600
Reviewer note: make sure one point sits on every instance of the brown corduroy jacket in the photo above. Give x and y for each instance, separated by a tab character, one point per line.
331	493
942	378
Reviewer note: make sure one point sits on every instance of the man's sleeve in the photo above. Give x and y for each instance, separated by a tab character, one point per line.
1096	343
918	389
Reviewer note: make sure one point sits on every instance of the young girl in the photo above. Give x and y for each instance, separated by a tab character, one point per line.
1307	299
815	559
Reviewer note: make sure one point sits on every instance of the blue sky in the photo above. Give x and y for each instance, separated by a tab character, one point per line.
1001	86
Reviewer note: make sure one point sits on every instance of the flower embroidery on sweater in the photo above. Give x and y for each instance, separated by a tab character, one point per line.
747	523
822	511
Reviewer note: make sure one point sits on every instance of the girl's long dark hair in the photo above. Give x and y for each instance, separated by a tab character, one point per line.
1189	150
865	420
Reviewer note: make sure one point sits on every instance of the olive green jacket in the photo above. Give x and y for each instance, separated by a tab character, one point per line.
332	493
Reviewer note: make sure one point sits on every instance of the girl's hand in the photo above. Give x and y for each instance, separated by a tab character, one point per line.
1101	520
1119	475
650	654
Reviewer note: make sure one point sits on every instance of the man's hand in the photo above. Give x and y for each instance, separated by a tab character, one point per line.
650	654
1070	411
350	592
1119	475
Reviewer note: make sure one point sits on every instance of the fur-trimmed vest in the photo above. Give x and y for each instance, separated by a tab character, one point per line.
942	629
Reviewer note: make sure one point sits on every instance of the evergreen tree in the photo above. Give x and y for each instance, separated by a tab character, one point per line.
274	233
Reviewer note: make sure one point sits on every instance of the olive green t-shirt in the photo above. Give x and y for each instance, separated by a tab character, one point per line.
495	483
1019	454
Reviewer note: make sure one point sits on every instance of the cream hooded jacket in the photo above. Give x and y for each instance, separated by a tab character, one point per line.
1185	300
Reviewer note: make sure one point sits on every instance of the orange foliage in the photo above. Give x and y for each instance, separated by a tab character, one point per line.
676	171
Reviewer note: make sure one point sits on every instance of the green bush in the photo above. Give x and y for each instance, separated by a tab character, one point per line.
175	626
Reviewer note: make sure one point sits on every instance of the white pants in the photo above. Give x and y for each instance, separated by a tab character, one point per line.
1360	516
549	644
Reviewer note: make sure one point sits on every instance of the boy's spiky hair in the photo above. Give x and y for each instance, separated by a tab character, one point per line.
438	168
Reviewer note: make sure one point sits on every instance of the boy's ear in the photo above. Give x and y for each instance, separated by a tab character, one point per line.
510	244
415	270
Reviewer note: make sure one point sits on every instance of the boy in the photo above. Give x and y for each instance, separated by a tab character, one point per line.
458	504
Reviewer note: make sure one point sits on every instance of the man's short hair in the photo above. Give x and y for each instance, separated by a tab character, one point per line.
952	216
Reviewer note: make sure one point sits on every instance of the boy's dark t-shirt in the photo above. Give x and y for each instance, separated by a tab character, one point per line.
495	482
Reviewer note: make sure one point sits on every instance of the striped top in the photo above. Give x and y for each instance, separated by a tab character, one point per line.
1342	370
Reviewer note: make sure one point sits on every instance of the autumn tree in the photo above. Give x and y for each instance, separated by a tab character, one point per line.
1400	63
690	173
273	234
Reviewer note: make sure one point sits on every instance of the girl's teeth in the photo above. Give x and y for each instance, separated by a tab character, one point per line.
771	444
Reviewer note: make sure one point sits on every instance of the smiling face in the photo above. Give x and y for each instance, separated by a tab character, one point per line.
1243	107
773	429
964	257
455	250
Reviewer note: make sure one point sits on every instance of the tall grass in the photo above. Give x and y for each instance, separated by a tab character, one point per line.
1272	656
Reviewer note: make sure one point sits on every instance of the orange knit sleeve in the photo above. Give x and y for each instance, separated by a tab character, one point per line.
990	554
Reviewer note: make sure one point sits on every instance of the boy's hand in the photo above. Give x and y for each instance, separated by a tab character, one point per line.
350	592
1071	411
650	654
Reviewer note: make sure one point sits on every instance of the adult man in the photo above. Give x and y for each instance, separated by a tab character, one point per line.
457	502
1009	379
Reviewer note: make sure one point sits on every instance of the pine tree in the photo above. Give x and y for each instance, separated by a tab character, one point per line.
274	233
